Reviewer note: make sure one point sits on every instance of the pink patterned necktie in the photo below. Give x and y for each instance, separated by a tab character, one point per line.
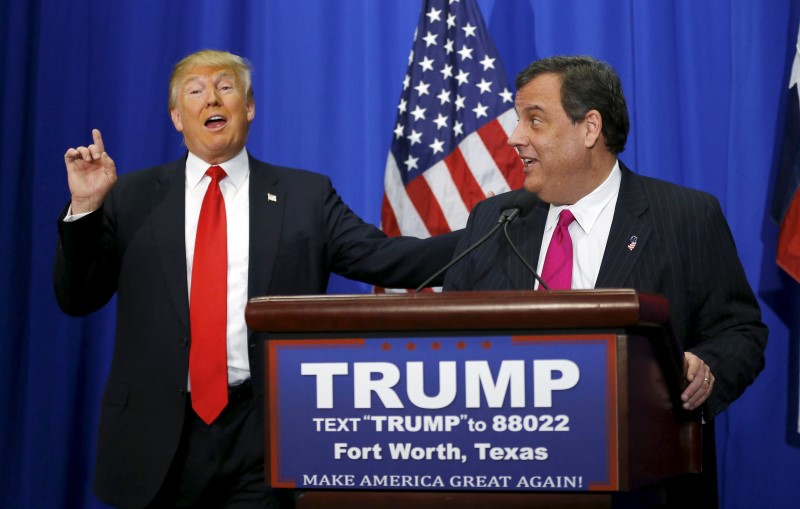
557	269
208	364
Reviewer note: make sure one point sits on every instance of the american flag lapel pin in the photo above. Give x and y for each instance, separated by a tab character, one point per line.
632	243
271	197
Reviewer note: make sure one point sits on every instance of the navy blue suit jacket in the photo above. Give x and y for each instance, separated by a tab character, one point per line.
134	247
684	251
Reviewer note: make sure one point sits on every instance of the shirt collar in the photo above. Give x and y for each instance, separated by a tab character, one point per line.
587	209
237	169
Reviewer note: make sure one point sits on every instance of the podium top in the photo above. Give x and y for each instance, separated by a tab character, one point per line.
573	309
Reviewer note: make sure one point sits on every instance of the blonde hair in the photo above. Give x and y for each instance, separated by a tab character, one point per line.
215	59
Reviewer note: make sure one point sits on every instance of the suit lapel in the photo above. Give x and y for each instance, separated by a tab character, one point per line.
267	205
526	234
629	233
168	218
536	228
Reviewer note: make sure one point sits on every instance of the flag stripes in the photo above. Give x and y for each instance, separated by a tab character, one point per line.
430	198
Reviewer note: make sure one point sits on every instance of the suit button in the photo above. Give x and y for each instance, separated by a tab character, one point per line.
184	342
182	393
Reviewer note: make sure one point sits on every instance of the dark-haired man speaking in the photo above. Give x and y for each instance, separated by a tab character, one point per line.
593	223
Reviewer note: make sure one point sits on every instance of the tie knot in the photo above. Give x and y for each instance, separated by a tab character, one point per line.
216	173
565	218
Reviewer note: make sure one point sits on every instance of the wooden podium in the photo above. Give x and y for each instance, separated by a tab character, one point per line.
654	438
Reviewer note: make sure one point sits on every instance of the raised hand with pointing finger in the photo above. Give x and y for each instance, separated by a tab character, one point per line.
91	174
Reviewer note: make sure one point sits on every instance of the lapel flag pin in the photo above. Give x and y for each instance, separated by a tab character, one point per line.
632	243
272	197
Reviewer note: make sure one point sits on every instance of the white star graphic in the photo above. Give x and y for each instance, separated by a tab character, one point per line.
444	96
415	137
462	77
465	52
418	113
406	82
402	106
480	110
485	86
447	71
506	95
398	131
433	15
422	88
469	30
426	64
411	162
448	45
430	40
487	63
411	55
437	146
451	20
441	121
458	128
460	102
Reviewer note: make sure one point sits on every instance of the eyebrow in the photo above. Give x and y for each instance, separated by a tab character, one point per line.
224	73
532	107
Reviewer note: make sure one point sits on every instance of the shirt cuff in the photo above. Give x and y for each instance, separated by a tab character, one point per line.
70	217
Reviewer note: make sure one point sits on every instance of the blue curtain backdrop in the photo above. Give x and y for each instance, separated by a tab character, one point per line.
706	84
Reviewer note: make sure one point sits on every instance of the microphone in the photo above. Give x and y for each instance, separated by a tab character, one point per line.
520	206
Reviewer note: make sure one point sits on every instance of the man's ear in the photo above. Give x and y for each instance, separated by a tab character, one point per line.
176	119
251	110
594	127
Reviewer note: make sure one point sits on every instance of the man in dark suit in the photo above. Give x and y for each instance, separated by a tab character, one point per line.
628	230
287	230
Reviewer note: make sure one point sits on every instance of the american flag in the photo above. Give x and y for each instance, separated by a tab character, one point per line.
453	120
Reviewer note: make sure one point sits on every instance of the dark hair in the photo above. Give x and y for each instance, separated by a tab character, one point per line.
587	84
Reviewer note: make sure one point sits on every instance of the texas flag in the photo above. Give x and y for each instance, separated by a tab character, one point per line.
786	207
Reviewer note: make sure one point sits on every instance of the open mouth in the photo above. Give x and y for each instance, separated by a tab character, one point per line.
527	161
215	122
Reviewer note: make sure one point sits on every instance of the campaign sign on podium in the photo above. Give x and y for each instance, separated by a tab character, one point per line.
444	413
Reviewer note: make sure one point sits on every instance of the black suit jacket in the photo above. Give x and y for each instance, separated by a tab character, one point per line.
134	247
684	251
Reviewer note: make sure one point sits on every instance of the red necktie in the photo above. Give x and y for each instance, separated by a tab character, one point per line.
208	311
557	269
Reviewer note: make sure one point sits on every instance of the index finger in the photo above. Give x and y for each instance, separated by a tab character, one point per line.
98	140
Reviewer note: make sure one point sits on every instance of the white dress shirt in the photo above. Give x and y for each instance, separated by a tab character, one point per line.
593	216
236	193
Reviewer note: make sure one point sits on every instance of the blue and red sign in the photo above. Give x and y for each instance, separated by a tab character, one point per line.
517	413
